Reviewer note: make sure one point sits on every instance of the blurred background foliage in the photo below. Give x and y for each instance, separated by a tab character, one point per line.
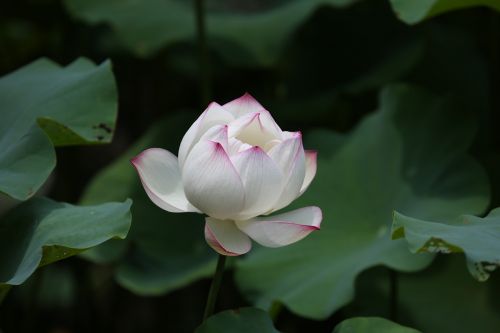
400	98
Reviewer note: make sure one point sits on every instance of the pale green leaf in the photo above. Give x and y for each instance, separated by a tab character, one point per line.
478	238
44	105
411	156
415	11
41	231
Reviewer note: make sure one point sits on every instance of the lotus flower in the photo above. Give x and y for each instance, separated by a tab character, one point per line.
236	166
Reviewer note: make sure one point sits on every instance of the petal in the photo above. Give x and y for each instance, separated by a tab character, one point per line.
290	157
239	124
269	124
225	238
213	115
282	229
161	178
285	152
211	182
262	180
243	105
236	146
217	133
255	129
311	166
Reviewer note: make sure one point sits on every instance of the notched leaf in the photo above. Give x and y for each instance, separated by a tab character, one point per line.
45	105
478	238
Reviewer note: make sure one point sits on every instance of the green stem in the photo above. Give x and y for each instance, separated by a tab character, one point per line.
204	61
214	288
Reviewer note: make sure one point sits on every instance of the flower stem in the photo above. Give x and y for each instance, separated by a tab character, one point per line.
204	60
214	288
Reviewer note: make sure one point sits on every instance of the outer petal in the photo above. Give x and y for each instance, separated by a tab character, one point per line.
243	105
161	177
213	115
211	182
262	180
282	229
311	166
225	238
290	156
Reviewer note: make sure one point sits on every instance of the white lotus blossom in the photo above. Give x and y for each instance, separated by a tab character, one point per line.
236	166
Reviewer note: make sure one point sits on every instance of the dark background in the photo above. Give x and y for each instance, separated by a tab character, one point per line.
328	76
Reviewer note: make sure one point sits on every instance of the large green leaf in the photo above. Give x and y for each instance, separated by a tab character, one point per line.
415	11
43	105
163	250
446	299
41	231
257	30
443	298
478	238
410	156
244	320
369	325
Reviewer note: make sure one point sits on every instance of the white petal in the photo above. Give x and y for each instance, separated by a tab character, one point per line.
225	238
270	126
262	180
243	105
290	156
217	133
251	130
161	177
282	229
236	146
237	125
213	115
211	182
285	152
270	144
311	166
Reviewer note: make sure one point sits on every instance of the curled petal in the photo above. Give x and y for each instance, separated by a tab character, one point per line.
213	115
270	126
262	181
243	105
225	238
211	182
161	178
282	229
311	166
290	157
251	129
